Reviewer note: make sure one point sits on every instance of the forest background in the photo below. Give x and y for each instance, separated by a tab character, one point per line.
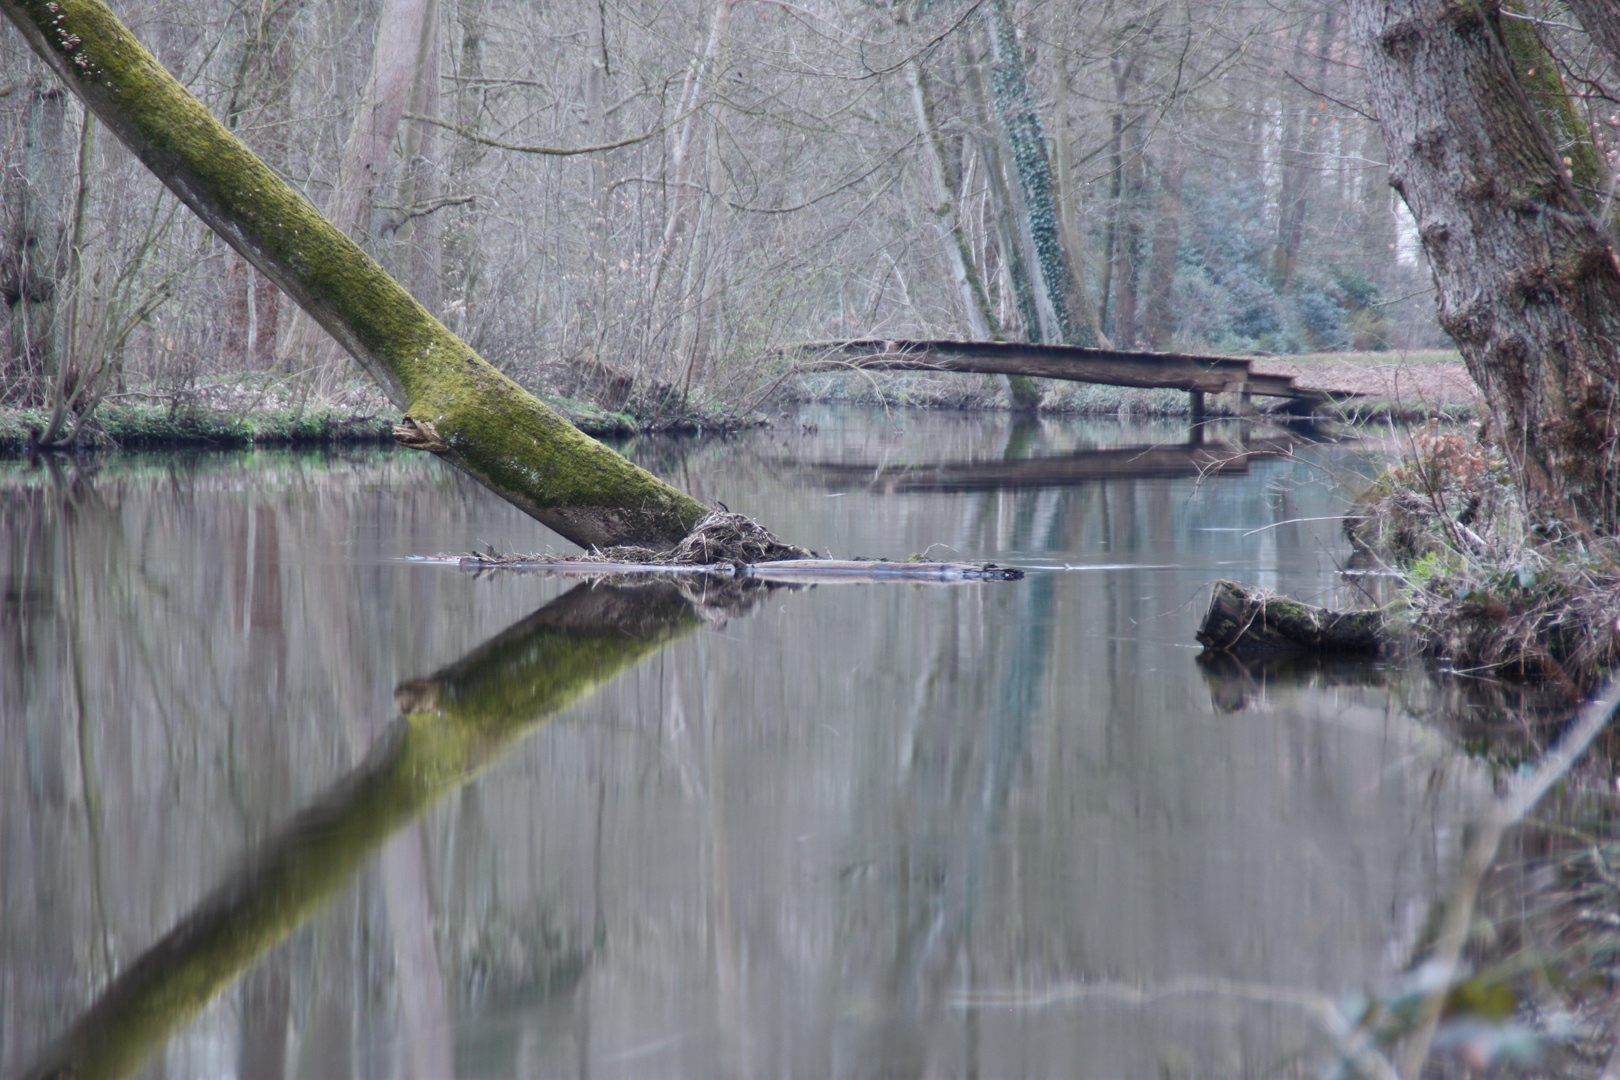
758	173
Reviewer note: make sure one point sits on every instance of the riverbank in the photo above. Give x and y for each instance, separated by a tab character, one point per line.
247	413
1478	585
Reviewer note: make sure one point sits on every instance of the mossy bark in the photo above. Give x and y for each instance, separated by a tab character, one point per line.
1247	623
456	404
454	725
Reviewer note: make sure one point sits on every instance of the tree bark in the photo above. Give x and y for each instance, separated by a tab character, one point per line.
975	302
1027	140
1158	315
1602	20
457	406
35	262
1528	280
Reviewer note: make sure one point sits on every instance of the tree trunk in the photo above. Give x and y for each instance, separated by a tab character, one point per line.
1537	72
396	60
417	235
1066	196
975	302
1158	317
1301	155
1528	280
36	257
457	406
1602	20
260	104
1027	140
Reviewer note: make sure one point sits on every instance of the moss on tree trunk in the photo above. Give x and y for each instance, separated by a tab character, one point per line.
456	405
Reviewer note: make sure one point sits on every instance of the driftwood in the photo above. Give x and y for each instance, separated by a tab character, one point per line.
1248	622
775	571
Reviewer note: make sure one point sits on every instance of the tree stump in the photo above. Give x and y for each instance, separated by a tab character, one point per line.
1246	622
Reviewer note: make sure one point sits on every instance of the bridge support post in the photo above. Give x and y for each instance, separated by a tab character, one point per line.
1195	401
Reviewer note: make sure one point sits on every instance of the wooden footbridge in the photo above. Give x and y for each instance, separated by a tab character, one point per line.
1198	375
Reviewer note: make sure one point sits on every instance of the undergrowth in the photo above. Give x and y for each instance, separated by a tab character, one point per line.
1486	592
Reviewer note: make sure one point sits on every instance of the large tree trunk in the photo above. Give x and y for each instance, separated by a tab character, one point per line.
456	404
975	301
1158	316
35	259
1528	280
1026	139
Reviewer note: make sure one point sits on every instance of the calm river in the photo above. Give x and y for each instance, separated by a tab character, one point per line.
997	829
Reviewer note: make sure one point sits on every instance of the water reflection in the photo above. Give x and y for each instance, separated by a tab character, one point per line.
1190	459
795	843
452	726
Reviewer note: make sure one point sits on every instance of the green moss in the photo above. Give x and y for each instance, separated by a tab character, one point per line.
1537	71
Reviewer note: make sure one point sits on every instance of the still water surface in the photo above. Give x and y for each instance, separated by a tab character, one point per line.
851	831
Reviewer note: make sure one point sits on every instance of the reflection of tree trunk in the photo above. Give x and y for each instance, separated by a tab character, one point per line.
1158	317
35	261
456	724
424	1012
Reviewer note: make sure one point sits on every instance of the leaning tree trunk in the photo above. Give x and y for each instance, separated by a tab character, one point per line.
457	406
1528	280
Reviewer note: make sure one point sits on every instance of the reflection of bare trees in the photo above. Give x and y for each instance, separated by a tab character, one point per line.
456	724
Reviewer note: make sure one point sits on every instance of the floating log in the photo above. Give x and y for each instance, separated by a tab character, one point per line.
1248	622
776	571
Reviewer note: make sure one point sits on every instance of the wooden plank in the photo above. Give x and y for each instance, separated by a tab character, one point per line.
1113	367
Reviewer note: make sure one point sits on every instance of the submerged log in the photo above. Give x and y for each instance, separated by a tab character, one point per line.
1248	622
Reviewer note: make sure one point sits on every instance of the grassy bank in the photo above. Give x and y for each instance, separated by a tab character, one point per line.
281	411
235	415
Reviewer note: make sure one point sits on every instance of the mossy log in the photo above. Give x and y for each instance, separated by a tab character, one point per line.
456	405
1247	622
